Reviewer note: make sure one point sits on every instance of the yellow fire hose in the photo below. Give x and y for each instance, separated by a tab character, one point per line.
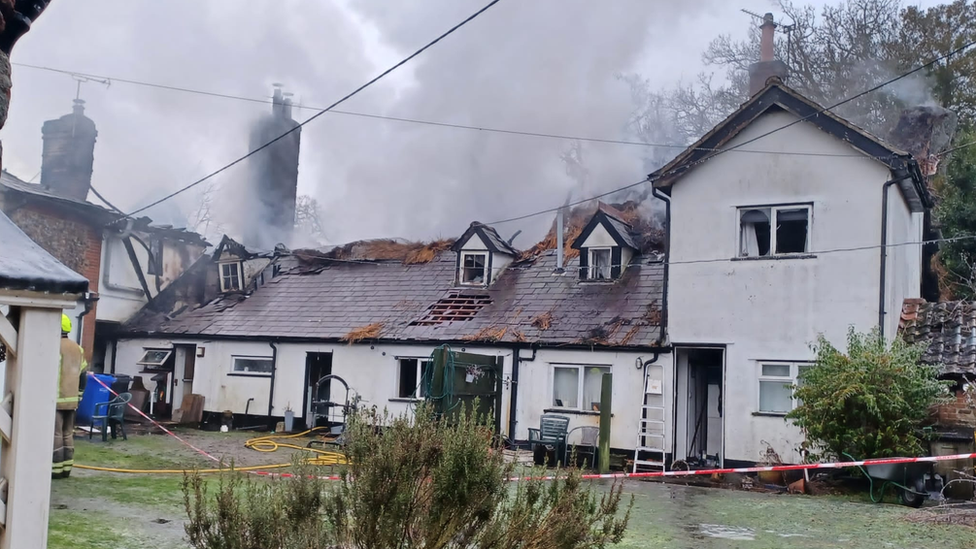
268	443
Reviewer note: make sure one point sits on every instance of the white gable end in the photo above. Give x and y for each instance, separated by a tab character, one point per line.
474	243
599	238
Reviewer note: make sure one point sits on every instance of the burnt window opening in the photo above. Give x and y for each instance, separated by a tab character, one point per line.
792	227
412	376
230	277
600	263
473	268
454	307
155	257
758	239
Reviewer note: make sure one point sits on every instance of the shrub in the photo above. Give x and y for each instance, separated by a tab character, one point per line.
869	402
416	483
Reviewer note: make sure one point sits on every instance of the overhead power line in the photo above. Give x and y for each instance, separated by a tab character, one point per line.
717	152
434	123
323	111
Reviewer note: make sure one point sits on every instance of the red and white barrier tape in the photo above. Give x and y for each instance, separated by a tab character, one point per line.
650	474
154	422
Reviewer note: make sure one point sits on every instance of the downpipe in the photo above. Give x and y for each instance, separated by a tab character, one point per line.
882	287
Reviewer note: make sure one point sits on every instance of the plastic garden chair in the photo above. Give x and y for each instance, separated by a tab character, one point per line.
110	414
589	440
551	433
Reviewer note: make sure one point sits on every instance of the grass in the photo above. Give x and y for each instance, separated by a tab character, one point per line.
93	510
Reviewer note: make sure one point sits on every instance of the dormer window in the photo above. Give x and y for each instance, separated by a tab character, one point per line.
230	277
482	255
606	246
473	265
600	263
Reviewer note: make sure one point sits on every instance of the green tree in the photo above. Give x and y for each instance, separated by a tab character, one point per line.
956	215
415	483
869	402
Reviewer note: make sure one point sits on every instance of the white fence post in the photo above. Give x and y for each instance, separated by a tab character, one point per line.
25	462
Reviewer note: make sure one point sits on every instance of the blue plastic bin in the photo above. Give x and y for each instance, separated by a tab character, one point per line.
94	394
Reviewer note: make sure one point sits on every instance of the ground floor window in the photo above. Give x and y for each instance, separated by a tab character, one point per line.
577	386
253	365
776	381
413	372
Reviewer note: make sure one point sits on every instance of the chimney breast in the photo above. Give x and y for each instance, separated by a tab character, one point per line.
69	153
273	178
768	66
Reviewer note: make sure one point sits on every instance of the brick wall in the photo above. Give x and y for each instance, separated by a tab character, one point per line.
961	412
73	241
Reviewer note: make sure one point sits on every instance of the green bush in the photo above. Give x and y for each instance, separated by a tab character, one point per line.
416	483
869	402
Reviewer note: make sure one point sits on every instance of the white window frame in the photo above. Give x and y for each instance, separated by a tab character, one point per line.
773	212
223	284
154	364
792	379
461	268
591	266
419	395
236	372
580	377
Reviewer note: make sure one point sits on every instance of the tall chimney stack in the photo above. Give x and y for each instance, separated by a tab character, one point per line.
767	66
273	177
69	153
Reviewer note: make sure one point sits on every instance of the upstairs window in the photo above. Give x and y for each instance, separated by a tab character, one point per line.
778	230
230	277
473	268
600	260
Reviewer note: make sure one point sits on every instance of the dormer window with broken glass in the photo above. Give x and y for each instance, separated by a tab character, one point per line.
230	277
481	255
473	267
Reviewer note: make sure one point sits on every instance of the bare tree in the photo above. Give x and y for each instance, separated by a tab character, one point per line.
308	219
202	220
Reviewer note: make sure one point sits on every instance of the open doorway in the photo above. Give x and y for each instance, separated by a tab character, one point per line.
699	414
317	366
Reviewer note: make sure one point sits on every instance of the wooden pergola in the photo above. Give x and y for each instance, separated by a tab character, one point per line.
34	288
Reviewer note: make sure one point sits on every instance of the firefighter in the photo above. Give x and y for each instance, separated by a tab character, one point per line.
71	381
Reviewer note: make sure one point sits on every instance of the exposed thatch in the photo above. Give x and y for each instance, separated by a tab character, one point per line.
489	333
410	253
646	231
371	331
543	321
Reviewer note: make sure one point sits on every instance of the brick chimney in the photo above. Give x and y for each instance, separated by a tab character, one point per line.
274	177
68	153
768	66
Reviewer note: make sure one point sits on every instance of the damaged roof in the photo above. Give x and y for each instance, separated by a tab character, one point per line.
27	266
96	213
948	330
332	299
777	96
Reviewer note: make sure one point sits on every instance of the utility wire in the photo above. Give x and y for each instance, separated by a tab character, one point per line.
656	177
325	110
434	123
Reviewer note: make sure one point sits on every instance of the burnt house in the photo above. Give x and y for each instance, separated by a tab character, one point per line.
126	261
373	311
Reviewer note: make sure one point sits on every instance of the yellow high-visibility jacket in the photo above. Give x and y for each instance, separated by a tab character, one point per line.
72	367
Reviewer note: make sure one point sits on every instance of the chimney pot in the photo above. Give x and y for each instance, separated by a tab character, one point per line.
768	66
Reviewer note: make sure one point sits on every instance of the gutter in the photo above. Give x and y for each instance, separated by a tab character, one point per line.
274	371
882	293
667	262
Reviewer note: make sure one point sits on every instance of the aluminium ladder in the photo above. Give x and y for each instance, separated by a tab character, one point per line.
649	452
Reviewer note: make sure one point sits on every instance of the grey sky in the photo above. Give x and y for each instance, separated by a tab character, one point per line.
538	65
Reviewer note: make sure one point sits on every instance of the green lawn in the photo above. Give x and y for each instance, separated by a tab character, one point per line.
95	510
